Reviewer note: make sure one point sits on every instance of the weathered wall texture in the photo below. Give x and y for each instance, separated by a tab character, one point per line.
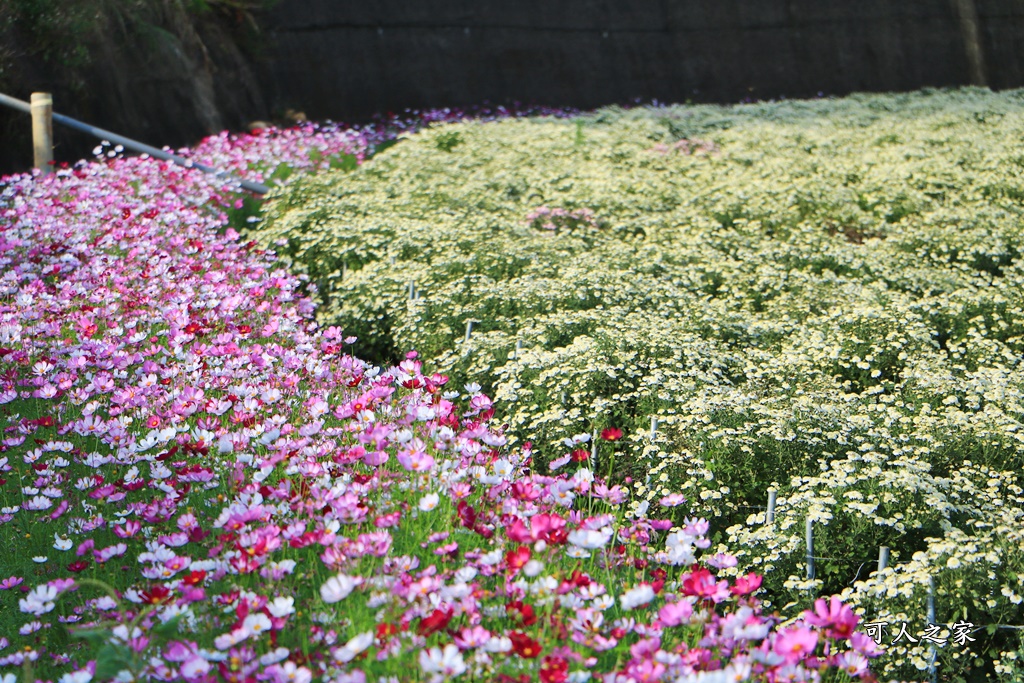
168	77
344	59
347	60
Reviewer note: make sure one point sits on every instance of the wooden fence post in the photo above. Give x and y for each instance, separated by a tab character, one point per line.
42	130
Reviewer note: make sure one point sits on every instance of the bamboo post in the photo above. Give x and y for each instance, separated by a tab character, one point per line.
883	557
809	532
769	517
519	347
654	427
469	329
412	295
42	130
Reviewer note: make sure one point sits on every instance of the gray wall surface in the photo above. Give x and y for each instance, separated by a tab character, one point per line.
343	59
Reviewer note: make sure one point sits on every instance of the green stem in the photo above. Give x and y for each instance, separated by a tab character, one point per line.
106	587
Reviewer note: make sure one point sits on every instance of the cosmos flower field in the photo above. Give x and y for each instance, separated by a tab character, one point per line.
202	480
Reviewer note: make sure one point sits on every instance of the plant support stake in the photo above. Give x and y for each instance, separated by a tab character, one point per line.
809	532
932	674
469	328
769	516
883	557
654	427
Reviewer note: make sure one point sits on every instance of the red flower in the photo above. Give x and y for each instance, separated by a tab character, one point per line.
611	434
467	515
517	559
434	622
385	631
520	613
554	670
156	595
78	566
580	455
524	646
194	578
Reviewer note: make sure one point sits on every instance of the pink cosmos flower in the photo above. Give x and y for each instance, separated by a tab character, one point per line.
472	637
833	615
675	613
744	585
854	664
10	582
795	643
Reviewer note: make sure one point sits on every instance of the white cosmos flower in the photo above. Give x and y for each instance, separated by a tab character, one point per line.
281	607
351	649
62	543
39	601
447	662
81	676
498	644
429	502
503	468
256	623
227	640
274	656
637	597
338	587
679	547
533	567
591	540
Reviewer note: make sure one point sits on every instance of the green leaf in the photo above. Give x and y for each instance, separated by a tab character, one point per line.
344	162
281	173
94	636
383	146
167	629
110	660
